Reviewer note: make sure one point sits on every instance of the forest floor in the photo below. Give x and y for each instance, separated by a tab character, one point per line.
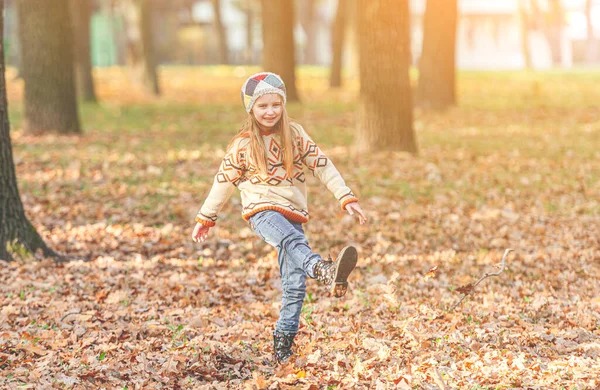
515	165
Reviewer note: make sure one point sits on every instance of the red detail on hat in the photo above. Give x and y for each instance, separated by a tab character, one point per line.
261	76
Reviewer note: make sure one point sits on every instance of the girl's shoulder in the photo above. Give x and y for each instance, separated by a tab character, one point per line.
297	129
240	141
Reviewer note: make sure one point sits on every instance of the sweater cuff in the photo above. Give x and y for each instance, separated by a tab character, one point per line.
205	222
347	201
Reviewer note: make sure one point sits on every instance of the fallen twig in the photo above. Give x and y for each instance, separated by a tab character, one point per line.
76	311
469	288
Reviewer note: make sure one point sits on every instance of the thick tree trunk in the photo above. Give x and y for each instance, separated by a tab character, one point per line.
278	43
337	44
220	28
140	48
81	13
385	109
306	13
437	66
17	236
47	66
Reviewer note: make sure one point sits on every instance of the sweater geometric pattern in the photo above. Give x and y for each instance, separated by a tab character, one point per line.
275	190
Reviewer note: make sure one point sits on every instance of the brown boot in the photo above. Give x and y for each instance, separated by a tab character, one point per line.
335	274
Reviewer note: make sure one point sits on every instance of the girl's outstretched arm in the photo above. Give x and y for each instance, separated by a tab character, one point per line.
322	167
200	232
230	174
352	208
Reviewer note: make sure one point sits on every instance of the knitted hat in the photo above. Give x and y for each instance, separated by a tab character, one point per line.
260	84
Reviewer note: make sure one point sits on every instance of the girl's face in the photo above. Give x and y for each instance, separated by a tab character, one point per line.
268	109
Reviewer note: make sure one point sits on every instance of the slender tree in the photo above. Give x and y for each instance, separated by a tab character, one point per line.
140	45
437	68
47	66
278	42
221	34
592	44
249	54
81	13
385	109
307	17
551	20
250	8
337	44
525	26
17	235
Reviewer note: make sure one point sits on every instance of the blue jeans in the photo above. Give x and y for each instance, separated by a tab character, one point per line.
296	261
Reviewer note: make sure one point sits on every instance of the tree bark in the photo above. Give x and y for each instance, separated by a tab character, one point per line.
307	20
81	13
47	66
337	44
17	236
437	66
140	50
385	110
221	34
278	43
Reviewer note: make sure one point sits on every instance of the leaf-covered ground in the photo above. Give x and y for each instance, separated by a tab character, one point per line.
516	165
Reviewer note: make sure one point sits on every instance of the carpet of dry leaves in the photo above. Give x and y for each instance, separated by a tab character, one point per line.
144	307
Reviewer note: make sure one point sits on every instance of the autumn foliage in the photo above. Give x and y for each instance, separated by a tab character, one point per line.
142	306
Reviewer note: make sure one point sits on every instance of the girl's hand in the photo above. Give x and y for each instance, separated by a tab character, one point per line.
352	208
200	232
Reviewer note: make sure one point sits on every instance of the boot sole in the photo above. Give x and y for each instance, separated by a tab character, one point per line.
348	258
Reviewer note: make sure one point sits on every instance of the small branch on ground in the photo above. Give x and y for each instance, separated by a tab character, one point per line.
76	311
470	288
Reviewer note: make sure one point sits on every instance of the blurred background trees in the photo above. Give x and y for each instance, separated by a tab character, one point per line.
437	66
81	13
278	43
46	37
385	109
437	37
17	235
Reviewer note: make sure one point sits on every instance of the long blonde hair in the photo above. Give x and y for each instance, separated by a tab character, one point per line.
257	149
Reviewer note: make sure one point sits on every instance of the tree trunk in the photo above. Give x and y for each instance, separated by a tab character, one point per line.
437	66
278	43
525	25
18	237
551	23
385	110
140	50
47	66
249	53
81	13
592	43
337	44
307	20
555	31
223	47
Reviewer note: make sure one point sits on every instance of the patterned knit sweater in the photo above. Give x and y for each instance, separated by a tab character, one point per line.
276	190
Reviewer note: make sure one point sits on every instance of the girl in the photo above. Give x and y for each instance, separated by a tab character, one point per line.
265	162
